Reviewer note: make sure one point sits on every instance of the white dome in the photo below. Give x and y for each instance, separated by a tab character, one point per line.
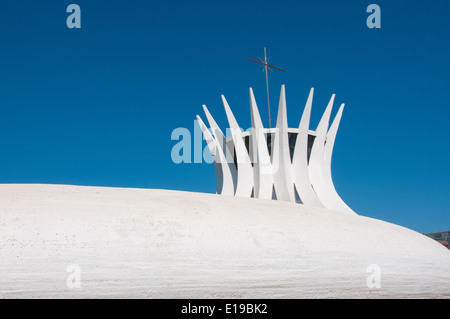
169	244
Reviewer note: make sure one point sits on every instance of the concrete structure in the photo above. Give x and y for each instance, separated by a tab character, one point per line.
290	164
143	243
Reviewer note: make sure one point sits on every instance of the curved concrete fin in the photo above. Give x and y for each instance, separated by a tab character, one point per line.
336	201
221	139
225	183
212	146
320	179
304	121
282	176
256	118
300	159
316	159
262	167
332	132
243	164
231	119
212	123
282	113
322	127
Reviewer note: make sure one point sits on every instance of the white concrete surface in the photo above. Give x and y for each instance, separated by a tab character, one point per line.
142	243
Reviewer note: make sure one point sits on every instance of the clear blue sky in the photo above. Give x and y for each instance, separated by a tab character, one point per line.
97	105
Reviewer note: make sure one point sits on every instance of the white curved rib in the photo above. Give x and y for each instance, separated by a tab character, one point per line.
282	176
316	158
300	171
221	140
262	167
224	177
244	167
336	201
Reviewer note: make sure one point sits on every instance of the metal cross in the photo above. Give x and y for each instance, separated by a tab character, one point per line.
267	67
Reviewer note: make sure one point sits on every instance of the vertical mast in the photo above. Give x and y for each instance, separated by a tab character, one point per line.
267	85
264	61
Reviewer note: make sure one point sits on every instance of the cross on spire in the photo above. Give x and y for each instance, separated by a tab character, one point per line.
267	67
